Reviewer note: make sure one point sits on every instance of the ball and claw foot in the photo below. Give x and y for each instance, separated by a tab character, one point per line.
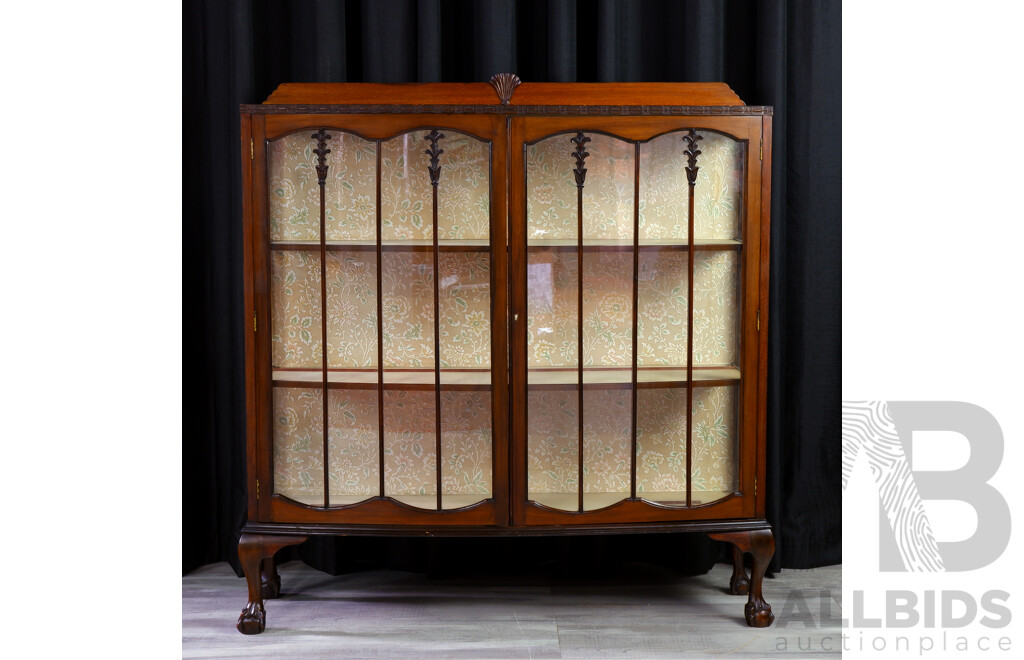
252	620
759	614
760	545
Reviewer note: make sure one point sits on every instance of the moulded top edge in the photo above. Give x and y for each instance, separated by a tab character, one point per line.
565	109
506	89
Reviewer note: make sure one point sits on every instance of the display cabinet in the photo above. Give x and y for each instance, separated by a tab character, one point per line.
504	309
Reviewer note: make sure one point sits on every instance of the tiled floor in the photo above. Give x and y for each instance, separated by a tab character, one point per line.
643	611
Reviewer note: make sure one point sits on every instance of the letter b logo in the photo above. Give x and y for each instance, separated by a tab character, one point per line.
883	431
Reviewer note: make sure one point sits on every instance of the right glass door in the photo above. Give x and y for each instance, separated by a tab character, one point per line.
630	329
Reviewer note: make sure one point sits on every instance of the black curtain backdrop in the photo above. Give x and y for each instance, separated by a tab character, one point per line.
784	54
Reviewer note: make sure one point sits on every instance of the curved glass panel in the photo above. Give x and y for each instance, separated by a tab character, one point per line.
665	191
410	449
297	334
299	263
718	202
716	312
351	309
683	454
465	447
663	317
661	445
293	203
555	344
298	444
354	465
663	311
455	338
714	443
350	203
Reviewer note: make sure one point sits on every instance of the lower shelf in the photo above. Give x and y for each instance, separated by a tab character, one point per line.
592	501
366	379
428	502
560	501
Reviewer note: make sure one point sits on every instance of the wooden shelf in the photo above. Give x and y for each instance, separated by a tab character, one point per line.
616	244
315	497
408	245
591	501
622	377
394	379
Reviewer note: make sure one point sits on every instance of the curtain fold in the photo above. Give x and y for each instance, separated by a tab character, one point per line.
785	54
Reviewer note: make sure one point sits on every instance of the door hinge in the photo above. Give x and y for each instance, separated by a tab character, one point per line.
761	157
252	149
258	490
759	320
254	321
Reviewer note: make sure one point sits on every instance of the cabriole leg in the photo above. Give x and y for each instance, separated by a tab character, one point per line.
253	551
739	584
270	579
760	544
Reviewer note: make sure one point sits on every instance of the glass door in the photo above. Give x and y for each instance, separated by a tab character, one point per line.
628	336
381	279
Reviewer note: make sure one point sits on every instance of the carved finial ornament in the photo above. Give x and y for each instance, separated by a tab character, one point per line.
692	152
435	167
321	152
505	84
580	155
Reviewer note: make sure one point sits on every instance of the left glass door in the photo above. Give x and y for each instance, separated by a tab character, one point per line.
381	279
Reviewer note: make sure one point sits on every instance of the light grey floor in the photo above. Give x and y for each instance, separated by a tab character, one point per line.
642	612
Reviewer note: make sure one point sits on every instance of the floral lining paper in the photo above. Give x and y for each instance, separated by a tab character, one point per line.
407	277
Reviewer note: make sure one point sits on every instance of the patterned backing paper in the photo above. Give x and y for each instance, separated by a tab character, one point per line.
408	285
665	193
662	313
407	282
298	444
350	209
463	195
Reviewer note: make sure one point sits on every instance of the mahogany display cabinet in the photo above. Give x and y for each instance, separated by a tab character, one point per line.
505	309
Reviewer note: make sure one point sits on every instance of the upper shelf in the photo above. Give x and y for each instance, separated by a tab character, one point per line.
406	245
601	244
483	245
480	379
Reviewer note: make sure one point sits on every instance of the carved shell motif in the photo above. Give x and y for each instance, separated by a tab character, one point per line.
505	84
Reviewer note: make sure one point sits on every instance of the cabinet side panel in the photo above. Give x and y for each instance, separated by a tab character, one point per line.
762	364
249	313
750	439
260	481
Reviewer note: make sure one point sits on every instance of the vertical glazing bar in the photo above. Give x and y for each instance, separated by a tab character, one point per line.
581	175
380	337
579	337
321	152
691	153
636	291
435	177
